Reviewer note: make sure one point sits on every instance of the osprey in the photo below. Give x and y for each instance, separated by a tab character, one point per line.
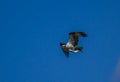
71	45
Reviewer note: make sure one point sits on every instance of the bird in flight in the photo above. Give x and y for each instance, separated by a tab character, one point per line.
71	45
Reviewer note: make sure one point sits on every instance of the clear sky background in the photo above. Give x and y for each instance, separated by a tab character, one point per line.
31	30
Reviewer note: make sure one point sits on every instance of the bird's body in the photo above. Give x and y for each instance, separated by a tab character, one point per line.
71	45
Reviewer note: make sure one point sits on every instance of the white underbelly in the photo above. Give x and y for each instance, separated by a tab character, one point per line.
69	45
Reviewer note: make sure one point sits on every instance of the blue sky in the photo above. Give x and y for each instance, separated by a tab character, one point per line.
31	30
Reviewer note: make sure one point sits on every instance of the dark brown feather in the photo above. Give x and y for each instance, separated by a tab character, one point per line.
65	50
74	37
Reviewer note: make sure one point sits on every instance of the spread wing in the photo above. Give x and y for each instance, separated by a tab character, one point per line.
73	37
65	51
